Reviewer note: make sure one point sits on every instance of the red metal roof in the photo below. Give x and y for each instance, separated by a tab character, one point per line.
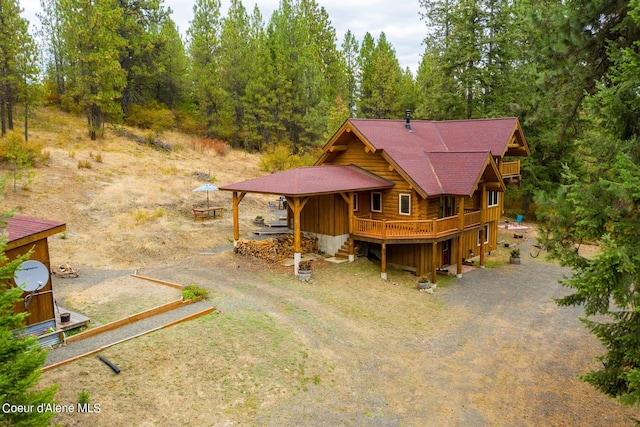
312	180
20	228
454	135
439	157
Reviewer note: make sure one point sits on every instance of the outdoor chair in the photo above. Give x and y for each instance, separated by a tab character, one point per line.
518	219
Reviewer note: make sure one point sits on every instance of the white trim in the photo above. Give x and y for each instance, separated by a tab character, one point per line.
372	209
486	235
493	203
400	196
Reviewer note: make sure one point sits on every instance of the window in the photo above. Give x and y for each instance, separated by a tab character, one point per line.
405	204
492	198
486	235
447	206
376	202
355	202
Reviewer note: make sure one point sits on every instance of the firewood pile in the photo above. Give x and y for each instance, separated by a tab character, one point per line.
65	271
275	249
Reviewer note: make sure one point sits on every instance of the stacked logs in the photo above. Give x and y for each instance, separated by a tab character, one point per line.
275	249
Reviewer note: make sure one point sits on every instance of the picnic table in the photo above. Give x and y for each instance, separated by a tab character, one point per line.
204	213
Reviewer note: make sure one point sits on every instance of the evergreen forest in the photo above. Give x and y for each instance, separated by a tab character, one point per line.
569	70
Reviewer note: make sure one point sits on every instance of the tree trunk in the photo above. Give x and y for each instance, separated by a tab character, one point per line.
94	119
9	107
3	118
26	115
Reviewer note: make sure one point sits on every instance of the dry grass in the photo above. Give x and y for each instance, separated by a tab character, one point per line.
345	349
112	299
128	205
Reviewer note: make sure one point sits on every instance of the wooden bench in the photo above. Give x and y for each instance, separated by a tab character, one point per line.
204	213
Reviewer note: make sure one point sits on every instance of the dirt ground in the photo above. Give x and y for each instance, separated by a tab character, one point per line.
491	348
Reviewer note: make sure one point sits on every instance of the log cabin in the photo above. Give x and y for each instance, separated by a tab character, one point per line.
419	194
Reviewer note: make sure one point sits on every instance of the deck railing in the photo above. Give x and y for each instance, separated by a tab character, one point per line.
510	168
416	229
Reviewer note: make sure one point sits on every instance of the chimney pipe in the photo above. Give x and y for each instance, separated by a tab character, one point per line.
407	115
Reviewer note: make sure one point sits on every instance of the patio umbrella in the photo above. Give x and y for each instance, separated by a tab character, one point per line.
207	188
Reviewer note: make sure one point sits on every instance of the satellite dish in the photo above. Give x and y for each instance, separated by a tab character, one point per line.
31	276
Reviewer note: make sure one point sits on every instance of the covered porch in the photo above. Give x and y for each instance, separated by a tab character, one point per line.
300	185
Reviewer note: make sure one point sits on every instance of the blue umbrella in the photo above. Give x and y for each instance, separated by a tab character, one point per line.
207	188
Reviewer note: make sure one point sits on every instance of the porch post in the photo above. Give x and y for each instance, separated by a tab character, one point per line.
434	262
237	198
482	237
297	247
383	266
297	206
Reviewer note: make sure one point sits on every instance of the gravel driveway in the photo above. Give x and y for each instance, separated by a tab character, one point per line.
491	348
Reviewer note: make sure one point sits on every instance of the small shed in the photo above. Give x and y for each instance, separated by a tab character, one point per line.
23	235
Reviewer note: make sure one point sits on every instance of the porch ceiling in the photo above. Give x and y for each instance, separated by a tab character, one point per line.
313	180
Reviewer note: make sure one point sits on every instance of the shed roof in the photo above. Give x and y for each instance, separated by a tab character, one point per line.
23	230
313	180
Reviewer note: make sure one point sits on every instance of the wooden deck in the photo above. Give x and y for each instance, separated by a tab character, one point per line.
420	229
77	320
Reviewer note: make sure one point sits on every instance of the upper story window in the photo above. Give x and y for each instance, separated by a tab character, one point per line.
492	198
404	204
376	202
447	206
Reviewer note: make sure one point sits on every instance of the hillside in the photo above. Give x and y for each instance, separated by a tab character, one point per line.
132	207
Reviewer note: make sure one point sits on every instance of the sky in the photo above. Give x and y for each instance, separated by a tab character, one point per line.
399	19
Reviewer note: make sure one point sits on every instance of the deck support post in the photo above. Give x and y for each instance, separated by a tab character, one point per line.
237	198
459	256
460	230
383	265
434	260
422	262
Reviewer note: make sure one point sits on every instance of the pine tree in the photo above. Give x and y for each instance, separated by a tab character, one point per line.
350	52
204	50
235	58
17	58
380	81
141	29
171	65
92	46
21	358
258	98
601	203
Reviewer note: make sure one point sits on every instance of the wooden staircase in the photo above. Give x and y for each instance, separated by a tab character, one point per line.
343	252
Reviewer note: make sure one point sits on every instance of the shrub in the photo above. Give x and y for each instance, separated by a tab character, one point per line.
84	164
193	292
221	148
26	154
279	158
152	115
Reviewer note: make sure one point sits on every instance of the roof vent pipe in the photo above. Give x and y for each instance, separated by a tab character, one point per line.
407	115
